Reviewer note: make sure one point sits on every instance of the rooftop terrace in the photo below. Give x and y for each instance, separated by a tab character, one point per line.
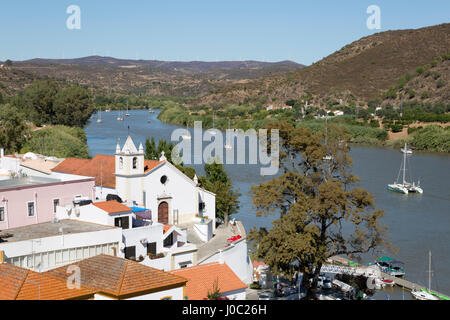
25	182
49	229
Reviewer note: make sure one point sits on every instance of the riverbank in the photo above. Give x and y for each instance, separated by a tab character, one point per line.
416	223
429	138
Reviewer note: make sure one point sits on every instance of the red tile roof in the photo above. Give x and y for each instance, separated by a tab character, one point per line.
101	167
121	278
112	206
257	263
166	228
17	283
202	278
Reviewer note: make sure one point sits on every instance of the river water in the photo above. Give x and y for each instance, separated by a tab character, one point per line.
416	223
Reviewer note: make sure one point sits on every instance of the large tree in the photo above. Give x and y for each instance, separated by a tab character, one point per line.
217	181
13	130
38	101
321	212
72	107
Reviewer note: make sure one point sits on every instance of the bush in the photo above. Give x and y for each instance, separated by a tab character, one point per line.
432	138
255	285
58	141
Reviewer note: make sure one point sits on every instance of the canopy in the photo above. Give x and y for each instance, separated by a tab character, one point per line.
384	259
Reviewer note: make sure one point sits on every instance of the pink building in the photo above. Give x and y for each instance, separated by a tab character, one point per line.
31	200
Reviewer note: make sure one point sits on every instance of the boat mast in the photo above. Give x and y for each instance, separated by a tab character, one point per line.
429	272
404	165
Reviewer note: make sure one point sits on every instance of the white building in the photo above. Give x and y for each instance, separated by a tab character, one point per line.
48	245
160	246
159	186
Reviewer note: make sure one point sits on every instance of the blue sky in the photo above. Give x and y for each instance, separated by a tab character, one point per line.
209	30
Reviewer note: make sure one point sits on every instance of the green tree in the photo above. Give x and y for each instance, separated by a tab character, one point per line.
217	181
316	200
72	107
13	130
38	99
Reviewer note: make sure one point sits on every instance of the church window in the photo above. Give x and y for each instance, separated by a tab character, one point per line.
134	163
163	179
121	163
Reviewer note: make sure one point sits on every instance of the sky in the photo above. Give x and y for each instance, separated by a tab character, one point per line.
303	31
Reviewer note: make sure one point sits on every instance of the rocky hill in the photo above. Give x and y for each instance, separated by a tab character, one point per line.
360	71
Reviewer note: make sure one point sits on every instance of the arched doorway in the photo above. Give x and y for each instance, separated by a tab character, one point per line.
163	212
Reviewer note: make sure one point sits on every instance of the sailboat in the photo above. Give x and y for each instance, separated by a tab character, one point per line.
404	187
99	120
406	150
424	294
187	136
228	146
213	130
120	117
327	157
127	114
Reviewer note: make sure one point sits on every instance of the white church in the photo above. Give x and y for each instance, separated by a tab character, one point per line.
172	197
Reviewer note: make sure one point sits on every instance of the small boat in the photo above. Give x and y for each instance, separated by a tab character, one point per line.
186	136
99	120
150	110
404	187
127	114
120	117
422	295
228	146
406	150
108	110
388	282
390	266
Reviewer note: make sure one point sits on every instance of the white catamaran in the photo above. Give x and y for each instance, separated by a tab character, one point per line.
404	187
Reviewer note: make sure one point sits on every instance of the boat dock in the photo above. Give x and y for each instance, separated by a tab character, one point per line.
398	281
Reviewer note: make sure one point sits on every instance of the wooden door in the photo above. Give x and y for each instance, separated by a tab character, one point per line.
163	212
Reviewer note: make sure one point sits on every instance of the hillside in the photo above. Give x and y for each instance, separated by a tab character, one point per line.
360	71
180	79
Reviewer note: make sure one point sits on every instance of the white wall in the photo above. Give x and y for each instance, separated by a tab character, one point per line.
180	188
67	242
236	257
236	294
175	294
153	233
93	214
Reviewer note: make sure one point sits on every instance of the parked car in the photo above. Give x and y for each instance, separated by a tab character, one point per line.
266	296
326	284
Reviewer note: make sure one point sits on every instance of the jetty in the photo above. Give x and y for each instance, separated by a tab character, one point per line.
350	267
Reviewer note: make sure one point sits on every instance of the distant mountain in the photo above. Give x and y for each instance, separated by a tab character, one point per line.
181	79
192	66
360	71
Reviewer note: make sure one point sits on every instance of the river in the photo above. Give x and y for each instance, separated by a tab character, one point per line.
416	223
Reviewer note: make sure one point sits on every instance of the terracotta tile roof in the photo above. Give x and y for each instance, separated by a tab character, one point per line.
121	278
257	263
17	283
112	206
202	278
101	167
166	228
70	165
